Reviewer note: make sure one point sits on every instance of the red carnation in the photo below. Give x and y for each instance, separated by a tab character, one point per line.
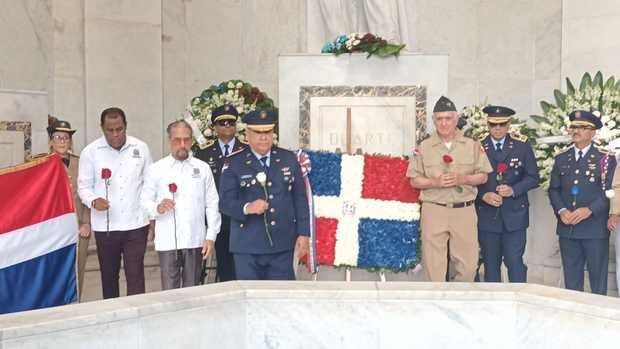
502	167
241	92
447	158
261	97
254	90
106	173
172	187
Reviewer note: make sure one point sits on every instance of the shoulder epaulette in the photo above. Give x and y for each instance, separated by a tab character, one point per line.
239	151
208	144
563	150
602	149
518	137
482	136
244	141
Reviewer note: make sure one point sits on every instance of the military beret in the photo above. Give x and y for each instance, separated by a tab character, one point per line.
60	126
582	118
224	112
260	120
443	104
497	114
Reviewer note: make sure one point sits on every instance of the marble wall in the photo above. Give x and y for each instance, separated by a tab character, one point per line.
505	51
590	38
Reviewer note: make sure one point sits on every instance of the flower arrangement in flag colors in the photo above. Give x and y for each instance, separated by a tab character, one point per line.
367	213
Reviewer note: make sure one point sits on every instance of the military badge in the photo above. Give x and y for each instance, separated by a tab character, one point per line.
196	173
136	153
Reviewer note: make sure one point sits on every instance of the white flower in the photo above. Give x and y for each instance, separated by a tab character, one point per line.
239	85
356	42
610	193
261	177
611	124
231	85
604	118
207	132
596	113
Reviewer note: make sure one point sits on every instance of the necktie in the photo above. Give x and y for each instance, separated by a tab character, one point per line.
579	155
226	152
264	161
498	146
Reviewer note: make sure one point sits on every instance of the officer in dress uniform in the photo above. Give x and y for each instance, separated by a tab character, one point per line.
262	191
579	179
502	204
224	119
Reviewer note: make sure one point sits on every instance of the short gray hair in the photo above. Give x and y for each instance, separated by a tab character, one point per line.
179	123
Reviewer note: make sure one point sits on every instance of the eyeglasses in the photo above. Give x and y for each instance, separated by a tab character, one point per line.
60	139
225	123
580	128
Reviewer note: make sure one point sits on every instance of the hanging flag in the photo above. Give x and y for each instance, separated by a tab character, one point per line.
38	236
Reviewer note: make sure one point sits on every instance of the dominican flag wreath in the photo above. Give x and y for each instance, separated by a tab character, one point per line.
366	212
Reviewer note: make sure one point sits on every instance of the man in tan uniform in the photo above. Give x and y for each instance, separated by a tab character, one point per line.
447	167
60	142
614	213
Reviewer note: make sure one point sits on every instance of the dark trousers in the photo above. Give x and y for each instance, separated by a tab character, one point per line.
180	268
507	247
593	253
274	266
225	260
132	245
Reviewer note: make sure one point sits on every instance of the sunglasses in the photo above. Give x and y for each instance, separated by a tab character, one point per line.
225	123
498	125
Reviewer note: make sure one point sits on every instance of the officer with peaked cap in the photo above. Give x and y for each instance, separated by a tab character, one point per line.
447	167
502	204
224	119
262	191
580	177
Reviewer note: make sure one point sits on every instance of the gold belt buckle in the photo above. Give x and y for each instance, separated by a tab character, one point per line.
450	205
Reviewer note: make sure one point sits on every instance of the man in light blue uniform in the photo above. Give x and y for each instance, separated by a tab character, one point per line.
262	191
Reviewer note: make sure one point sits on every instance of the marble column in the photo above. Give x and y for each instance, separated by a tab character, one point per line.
123	66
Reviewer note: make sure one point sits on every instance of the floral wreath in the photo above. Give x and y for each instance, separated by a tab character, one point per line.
600	96
477	128
357	42
242	95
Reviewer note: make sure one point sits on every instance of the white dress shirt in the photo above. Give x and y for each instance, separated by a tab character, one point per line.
222	145
195	198
127	166
584	151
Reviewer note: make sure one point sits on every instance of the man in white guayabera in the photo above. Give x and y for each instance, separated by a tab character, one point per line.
179	193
